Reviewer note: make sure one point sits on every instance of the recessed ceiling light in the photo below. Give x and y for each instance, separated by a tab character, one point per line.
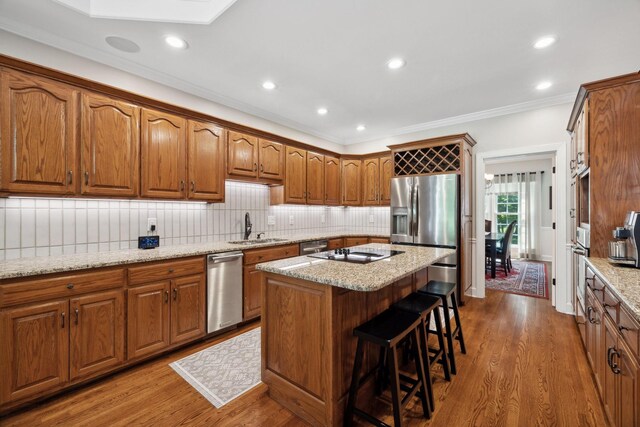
176	42
544	85
322	111
360	128
122	44
543	42
269	85
396	63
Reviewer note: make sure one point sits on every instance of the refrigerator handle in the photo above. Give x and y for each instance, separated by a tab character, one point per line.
416	212
410	210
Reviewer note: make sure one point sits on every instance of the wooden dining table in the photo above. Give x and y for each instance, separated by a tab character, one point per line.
491	242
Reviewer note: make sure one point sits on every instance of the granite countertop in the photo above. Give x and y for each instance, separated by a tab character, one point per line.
623	281
359	277
25	267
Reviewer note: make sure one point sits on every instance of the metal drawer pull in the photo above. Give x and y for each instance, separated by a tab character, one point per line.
70	285
175	294
70	177
166	296
614	366
623	328
171	270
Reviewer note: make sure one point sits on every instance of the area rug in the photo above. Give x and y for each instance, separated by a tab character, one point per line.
224	371
526	278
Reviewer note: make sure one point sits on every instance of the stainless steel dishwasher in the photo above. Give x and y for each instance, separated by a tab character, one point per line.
224	290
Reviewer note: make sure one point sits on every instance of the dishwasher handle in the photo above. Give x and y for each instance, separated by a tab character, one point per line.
214	259
315	249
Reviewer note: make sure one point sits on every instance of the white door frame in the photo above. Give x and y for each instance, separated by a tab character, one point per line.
561	294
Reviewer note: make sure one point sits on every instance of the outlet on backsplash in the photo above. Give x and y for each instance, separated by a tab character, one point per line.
152	224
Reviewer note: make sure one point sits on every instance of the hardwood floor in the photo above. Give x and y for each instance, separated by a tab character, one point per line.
524	366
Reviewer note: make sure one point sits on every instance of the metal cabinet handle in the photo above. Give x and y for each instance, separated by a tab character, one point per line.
171	270
589	310
193	186
70	177
572	164
181	185
166	296
70	285
622	329
580	158
86	178
614	366
605	305
255	167
572	213
175	294
609	350
62	319
77	312
261	167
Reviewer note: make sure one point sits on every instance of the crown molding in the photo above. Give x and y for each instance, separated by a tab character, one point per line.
479	115
111	60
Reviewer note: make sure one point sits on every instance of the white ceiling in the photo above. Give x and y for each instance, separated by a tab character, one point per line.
462	56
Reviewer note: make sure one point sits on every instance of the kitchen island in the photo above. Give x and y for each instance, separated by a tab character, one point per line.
310	307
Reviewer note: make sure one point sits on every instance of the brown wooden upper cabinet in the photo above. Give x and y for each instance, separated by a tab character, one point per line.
295	188
38	132
371	181
271	158
315	178
163	142
386	173
351	182
242	160
331	181
110	140
206	144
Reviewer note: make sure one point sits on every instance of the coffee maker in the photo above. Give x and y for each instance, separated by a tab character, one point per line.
624	250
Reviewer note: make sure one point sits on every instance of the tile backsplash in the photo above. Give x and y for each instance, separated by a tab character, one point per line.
31	227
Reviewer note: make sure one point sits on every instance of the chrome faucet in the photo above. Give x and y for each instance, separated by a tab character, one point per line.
247	226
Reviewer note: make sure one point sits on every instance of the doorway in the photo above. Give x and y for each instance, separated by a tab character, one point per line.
548	244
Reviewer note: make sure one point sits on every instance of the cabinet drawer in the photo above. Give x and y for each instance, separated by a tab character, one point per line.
596	285
611	304
270	254
378	240
153	272
629	329
334	243
60	286
355	241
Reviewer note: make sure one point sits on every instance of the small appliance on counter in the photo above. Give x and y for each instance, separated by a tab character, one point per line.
624	250
149	241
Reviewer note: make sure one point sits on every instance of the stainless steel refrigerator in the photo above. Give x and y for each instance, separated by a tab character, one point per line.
425	212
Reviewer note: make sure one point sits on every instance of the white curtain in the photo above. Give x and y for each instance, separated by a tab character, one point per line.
528	187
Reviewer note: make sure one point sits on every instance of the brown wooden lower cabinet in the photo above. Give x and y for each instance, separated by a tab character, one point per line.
147	319
378	240
335	243
34	355
355	241
252	301
188	303
611	348
97	333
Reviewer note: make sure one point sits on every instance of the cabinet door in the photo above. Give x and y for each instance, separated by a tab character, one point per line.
206	145
331	181
271	158
147	319
295	189
38	132
187	308
351	183
97	333
582	138
315	178
355	241
163	155
629	387
252	292
371	181
242	160
386	173
110	136
607	375
34	356
594	338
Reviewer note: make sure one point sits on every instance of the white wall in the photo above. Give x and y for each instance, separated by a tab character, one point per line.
32	227
529	128
38	53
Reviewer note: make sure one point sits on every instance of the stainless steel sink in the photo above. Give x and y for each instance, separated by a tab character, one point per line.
256	241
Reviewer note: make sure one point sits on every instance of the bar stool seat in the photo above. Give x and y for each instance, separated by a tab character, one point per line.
446	291
424	305
387	330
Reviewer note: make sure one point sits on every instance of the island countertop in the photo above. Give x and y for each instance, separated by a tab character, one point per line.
359	277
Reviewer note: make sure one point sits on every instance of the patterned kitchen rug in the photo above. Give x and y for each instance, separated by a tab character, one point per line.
526	278
224	371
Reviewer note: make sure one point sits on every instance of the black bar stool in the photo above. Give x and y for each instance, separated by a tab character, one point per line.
387	330
424	305
444	291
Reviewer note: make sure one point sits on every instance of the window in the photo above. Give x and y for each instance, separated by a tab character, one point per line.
507	212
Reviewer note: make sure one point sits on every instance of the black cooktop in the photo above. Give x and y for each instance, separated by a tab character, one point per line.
356	255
